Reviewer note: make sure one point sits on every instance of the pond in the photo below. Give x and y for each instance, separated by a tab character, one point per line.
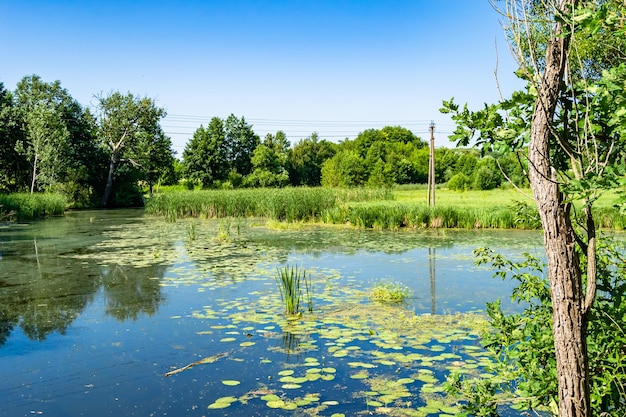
109	313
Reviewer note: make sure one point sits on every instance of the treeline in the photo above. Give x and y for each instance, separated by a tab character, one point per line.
51	143
228	154
111	155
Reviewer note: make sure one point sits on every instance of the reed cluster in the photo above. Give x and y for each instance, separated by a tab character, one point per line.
26	206
282	204
396	216
291	281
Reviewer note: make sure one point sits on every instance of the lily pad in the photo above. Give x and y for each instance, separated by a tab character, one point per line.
231	382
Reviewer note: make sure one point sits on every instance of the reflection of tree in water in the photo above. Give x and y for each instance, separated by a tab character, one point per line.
43	293
131	292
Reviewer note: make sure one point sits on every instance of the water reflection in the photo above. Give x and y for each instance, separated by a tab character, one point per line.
433	279
42	291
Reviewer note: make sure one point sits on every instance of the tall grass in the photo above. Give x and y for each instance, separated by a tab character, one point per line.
290	280
25	206
284	204
394	215
367	208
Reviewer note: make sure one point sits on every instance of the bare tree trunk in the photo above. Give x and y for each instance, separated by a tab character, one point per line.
569	315
32	184
109	185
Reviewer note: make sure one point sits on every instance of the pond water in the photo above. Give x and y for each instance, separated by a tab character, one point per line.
109	313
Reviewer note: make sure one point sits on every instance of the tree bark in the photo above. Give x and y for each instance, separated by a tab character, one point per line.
109	185
569	315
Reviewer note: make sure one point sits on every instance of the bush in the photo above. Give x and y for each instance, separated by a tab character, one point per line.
459	182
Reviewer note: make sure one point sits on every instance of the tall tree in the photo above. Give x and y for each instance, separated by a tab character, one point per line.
306	158
269	162
47	137
13	172
205	155
241	141
571	118
46	112
124	123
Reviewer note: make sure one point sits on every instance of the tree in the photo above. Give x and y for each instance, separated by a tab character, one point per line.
13	172
156	158
306	158
125	122
269	162
205	156
345	169
240	141
571	118
57	131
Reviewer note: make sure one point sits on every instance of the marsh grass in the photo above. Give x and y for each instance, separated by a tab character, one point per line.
25	206
281	204
291	281
389	292
368	208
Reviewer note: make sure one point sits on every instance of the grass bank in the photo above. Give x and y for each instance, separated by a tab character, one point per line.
26	206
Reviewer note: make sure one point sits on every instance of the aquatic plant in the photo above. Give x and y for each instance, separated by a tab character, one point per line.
25	206
290	280
389	292
284	204
191	231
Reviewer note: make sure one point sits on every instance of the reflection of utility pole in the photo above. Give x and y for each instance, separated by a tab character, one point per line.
433	279
431	166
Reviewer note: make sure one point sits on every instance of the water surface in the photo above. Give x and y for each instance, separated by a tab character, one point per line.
96	307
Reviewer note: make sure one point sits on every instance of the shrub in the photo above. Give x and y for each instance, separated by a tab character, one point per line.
459	182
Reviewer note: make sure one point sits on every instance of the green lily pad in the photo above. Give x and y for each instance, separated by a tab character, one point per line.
231	382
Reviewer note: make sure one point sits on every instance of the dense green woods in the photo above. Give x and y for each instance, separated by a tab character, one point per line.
113	154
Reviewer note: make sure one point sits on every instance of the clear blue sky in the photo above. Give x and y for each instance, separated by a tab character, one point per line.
332	66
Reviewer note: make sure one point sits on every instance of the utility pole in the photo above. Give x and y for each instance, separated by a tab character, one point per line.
431	166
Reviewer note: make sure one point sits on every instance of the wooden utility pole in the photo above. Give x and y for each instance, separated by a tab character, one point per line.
431	166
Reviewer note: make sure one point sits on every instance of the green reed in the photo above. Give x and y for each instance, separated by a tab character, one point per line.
290	204
290	281
25	206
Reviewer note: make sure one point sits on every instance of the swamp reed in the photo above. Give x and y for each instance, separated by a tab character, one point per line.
290	204
291	280
26	206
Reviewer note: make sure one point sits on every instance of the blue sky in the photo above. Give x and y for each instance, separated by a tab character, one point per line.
336	67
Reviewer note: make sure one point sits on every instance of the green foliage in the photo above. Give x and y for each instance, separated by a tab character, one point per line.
459	182
345	169
136	148
290	281
389	292
288	204
25	206
524	345
305	160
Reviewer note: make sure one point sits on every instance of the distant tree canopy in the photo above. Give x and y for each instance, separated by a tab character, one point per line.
50	143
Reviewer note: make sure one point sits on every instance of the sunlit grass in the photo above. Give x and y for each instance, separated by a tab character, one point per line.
284	204
25	206
404	207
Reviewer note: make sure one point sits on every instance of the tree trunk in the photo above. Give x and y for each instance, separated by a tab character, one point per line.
109	185
32	184
569	316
